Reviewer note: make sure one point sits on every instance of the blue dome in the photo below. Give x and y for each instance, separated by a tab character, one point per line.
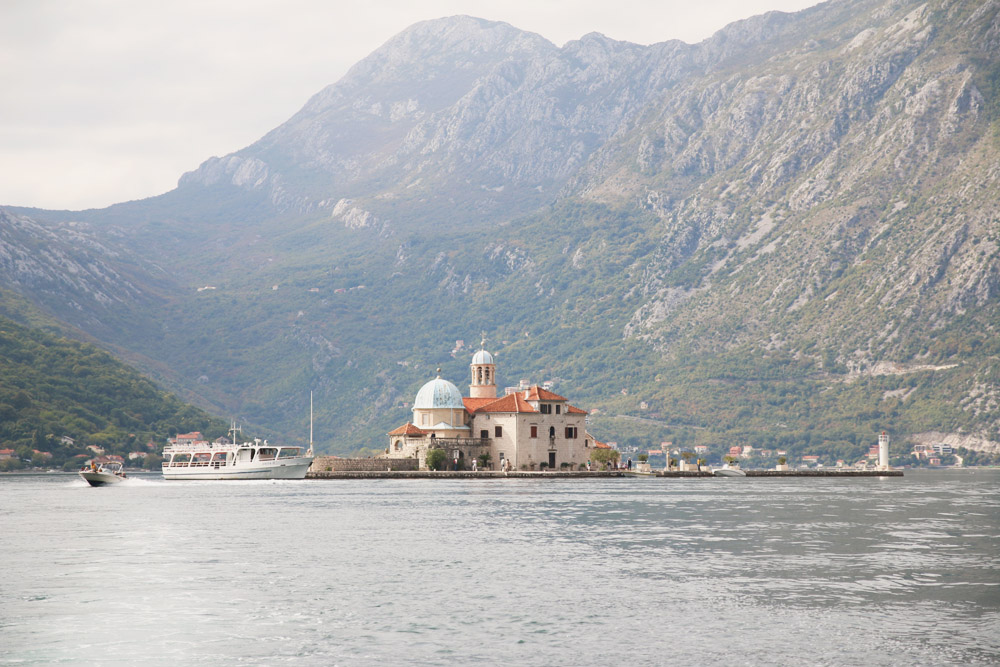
482	357
438	393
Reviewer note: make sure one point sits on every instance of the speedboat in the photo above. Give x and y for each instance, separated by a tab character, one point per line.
729	471
110	472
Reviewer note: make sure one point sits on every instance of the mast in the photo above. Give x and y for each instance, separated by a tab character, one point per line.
310	423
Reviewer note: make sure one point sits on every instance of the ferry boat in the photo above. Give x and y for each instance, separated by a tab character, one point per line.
256	459
247	460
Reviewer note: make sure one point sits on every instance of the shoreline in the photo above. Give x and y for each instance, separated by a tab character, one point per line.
582	474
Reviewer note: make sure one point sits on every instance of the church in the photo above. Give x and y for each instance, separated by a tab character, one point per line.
527	429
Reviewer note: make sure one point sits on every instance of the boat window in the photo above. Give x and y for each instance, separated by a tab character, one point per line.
181	459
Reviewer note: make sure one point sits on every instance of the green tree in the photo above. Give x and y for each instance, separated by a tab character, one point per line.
605	456
436	459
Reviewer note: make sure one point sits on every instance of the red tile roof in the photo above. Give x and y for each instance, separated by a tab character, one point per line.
408	429
510	403
575	410
473	404
536	393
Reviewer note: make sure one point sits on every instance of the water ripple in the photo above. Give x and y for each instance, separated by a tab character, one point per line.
690	572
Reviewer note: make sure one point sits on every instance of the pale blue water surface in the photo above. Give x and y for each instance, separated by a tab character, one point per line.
801	571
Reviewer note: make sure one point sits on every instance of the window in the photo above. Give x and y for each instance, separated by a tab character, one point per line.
545	408
558	409
426	420
570	432
498	431
534	431
484	433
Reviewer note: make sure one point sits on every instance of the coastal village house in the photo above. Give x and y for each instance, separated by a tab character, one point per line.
528	428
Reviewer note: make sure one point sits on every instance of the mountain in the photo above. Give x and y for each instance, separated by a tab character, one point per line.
787	234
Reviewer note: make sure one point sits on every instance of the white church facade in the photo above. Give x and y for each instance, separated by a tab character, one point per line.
527	429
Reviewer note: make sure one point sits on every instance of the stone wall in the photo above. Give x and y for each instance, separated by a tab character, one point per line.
337	464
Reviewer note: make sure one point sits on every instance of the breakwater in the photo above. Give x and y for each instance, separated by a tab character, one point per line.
786	473
580	474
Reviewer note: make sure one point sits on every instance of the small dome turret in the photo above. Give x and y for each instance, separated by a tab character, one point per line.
484	374
482	357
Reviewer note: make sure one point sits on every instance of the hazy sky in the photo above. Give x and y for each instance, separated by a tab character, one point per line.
103	101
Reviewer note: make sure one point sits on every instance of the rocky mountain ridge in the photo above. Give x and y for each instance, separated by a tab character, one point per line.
788	208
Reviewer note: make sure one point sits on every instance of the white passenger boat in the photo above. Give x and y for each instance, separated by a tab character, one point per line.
729	471
256	459
247	460
110	472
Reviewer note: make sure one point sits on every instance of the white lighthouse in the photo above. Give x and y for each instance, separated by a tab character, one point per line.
883	451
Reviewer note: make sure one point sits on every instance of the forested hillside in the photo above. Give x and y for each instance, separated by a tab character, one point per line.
58	395
786	235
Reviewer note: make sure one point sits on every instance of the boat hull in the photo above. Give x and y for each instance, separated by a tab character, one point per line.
100	478
729	472
282	469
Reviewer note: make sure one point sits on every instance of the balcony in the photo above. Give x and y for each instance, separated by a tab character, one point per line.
451	443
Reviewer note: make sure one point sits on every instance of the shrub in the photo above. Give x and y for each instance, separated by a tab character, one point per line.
436	459
604	456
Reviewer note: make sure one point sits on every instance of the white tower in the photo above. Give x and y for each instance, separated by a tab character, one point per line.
484	375
883	451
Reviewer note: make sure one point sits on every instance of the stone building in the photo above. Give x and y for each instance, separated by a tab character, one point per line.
526	428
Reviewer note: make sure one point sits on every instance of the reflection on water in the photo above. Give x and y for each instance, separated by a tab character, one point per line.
756	571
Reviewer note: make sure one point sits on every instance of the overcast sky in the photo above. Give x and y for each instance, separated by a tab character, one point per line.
103	101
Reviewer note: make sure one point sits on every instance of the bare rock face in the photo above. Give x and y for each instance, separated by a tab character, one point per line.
69	259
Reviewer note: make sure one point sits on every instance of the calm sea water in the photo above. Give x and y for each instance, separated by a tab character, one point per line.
576	572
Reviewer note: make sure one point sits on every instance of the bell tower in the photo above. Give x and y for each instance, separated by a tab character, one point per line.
484	374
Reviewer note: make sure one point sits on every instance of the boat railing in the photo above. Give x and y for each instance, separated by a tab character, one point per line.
196	447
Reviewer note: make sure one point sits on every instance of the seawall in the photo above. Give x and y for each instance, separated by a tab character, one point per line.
579	474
